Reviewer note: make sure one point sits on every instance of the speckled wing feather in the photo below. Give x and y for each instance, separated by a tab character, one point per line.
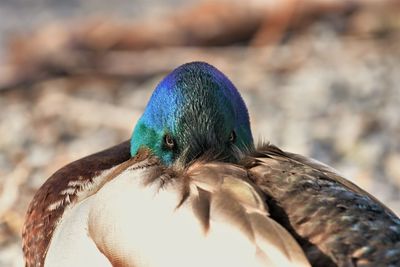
336	222
59	191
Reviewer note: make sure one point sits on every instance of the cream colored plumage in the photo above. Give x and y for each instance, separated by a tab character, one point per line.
210	215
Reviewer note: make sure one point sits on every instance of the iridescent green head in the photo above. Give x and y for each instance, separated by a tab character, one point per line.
195	110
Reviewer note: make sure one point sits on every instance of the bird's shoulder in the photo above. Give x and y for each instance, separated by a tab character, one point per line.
60	191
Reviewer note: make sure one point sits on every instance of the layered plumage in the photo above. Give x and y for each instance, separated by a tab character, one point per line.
201	194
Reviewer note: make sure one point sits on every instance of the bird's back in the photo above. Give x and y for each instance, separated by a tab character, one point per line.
336	222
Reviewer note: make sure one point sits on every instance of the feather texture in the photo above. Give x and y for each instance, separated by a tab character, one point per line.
221	221
235	201
336	222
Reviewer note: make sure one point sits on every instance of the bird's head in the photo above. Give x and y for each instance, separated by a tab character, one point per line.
195	111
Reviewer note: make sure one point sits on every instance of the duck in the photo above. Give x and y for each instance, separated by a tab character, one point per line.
191	188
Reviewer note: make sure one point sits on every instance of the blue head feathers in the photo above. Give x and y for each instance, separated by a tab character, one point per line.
194	110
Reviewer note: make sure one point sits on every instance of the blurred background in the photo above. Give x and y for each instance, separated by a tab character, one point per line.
320	78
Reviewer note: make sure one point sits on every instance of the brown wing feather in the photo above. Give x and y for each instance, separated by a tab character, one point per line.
59	191
330	172
336	222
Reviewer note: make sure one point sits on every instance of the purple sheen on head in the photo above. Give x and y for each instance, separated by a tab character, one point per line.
167	92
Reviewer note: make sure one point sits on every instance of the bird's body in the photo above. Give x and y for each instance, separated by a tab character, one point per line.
199	231
191	189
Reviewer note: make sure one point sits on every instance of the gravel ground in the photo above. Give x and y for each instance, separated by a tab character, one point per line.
340	103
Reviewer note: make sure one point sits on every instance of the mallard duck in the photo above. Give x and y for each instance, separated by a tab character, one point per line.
190	188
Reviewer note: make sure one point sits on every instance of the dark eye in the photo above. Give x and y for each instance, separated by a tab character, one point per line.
169	141
232	137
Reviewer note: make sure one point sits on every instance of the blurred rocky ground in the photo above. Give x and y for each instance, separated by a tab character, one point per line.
320	78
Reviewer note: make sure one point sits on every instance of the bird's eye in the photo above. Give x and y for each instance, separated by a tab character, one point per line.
169	141
232	137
